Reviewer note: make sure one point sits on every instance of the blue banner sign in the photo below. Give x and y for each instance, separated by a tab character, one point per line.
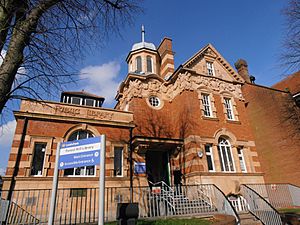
85	152
139	167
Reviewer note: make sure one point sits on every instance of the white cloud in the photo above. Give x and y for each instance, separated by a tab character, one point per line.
7	133
3	54
102	79
2	171
21	70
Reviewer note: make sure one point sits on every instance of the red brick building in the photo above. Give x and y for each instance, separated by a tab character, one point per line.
275	119
189	126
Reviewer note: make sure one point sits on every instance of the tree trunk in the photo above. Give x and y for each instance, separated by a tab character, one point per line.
22	31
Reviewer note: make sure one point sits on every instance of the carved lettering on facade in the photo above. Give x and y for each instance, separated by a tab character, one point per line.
100	115
67	110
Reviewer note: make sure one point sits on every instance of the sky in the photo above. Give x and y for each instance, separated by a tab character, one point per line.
253	30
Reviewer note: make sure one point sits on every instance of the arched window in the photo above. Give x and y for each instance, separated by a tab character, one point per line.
149	64
225	155
138	64
84	170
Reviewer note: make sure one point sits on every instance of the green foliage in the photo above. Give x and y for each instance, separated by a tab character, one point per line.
290	210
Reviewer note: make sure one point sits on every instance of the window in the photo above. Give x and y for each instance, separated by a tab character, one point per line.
84	170
38	159
138	64
118	161
210	68
225	155
76	100
209	158
241	159
206	105
90	102
78	192
297	99
154	101
228	107
149	64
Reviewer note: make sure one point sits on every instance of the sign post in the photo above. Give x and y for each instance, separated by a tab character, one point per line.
54	188
102	182
78	153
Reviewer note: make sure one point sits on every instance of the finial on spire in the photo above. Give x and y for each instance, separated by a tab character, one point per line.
143	33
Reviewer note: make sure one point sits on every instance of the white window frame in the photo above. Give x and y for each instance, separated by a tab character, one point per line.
84	167
206	103
66	99
94	102
76	97
240	152
225	145
39	175
210	68
229	108
155	99
122	159
210	153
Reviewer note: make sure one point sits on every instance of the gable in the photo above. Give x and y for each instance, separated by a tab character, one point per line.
222	69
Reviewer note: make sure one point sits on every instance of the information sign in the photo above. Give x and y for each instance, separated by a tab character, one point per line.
139	168
85	152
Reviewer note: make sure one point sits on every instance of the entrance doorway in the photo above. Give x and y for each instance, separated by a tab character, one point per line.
157	167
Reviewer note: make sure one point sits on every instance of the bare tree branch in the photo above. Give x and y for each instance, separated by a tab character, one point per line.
291	49
43	37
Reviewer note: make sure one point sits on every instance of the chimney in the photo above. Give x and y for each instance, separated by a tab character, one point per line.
242	68
167	57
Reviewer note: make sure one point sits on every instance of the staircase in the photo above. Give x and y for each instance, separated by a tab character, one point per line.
199	204
187	200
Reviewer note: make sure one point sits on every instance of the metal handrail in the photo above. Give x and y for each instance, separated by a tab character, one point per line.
20	215
264	219
237	217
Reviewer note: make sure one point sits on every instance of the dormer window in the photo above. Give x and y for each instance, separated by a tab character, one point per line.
149	64
82	98
210	68
76	100
138	64
90	102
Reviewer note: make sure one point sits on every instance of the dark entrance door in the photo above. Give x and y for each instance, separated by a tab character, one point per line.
157	167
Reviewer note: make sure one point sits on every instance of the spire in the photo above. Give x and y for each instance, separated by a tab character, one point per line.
143	33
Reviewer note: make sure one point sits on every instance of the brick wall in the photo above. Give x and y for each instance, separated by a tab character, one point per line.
275	121
52	132
182	118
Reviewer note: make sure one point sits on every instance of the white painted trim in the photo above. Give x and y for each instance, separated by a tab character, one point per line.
210	153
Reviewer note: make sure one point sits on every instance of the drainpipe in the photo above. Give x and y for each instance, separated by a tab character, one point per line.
16	169
130	164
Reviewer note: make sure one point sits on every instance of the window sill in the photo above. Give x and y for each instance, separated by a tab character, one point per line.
233	121
210	118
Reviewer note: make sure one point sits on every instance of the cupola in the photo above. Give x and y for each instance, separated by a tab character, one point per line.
143	58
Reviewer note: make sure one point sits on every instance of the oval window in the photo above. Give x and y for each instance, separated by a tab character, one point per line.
154	101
